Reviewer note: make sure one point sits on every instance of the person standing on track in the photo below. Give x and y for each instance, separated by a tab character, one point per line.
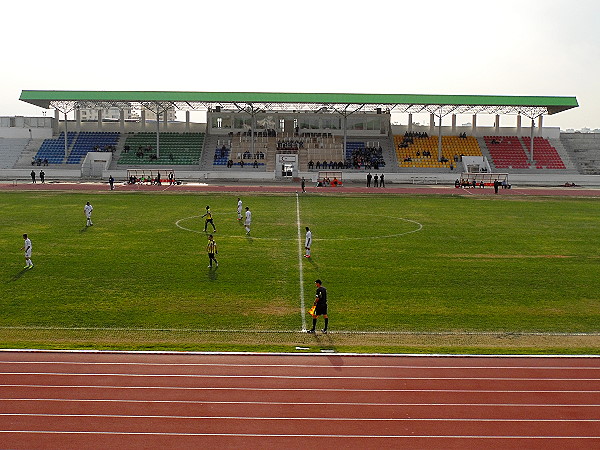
321	303
209	219
248	221
307	242
87	209
211	249
27	248
239	209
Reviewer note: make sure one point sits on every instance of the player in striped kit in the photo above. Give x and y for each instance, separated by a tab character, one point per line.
211	249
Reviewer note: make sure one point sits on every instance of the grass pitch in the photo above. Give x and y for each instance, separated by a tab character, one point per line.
395	267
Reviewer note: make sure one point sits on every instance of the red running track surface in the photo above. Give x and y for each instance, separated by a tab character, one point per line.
140	400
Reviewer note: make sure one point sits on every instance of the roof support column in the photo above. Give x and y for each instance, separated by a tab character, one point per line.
453	123
439	137
410	122
540	125
474	130
497	125
252	125
99	119
431	123
187	121
531	143
519	125
157	130
66	137
345	125
143	119
56	121
78	120
122	120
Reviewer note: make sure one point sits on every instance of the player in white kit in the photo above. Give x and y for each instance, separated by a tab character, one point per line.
248	220
27	248
87	209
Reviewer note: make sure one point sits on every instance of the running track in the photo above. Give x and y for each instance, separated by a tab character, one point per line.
351	188
149	400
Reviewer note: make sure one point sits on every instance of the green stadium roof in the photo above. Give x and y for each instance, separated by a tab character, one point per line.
530	106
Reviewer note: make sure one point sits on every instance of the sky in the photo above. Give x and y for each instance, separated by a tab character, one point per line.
546	48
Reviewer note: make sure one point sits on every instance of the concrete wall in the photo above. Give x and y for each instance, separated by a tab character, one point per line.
23	133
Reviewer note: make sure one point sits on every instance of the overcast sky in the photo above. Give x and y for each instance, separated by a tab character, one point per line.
534	47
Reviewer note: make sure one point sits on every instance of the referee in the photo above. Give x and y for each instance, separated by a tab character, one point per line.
211	249
321	302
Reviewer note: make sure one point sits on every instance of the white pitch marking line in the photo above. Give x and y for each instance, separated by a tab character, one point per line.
300	366
351	436
341	332
418	228
300	265
323	419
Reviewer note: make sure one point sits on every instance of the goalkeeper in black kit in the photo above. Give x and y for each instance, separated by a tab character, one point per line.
321	304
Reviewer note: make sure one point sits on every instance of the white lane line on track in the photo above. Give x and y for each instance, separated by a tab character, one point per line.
304	435
330	403
311	389
320	419
302	366
300	265
286	377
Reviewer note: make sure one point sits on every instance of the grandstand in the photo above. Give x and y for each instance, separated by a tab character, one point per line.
247	135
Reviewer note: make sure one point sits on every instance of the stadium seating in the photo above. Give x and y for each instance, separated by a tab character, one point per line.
53	150
89	141
544	154
175	149
422	152
365	154
513	152
507	152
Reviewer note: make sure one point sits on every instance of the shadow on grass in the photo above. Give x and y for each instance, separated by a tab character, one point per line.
212	273
310	260
18	275
84	229
326	344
